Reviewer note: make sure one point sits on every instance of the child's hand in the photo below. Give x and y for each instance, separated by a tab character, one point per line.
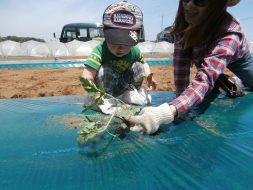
89	73
151	82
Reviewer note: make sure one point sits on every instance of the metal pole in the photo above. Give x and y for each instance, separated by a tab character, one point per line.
162	24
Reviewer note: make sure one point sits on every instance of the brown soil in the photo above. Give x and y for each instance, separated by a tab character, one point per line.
40	82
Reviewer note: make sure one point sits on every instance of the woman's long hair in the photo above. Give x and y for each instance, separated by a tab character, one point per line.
205	31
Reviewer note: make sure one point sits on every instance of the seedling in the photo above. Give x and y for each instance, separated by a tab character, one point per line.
95	125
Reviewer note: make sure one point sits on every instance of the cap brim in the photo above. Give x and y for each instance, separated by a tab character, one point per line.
232	3
120	37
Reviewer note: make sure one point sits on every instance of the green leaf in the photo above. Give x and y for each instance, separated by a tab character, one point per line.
98	101
101	88
88	85
92	128
89	107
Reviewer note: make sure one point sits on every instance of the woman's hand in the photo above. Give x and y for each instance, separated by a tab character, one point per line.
150	118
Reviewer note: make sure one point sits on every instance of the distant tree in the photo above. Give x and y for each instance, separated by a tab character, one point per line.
20	39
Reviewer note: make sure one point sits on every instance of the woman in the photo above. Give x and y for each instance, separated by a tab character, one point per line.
207	36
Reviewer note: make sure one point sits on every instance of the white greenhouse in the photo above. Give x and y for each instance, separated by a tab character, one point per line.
10	48
74	48
57	49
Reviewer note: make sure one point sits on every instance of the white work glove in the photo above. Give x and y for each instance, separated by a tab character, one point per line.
138	97
150	118
108	107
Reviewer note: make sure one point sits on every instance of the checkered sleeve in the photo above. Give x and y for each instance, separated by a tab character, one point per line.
213	64
182	63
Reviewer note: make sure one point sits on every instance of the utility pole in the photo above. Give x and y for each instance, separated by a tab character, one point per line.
162	24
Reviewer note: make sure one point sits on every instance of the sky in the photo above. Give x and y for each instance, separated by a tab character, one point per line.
41	18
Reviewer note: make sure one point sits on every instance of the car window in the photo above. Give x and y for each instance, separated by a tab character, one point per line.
83	33
69	33
95	32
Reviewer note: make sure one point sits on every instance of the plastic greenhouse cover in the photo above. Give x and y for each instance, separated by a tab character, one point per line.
146	47
57	48
163	47
11	48
1	53
73	48
83	50
40	50
28	46
39	149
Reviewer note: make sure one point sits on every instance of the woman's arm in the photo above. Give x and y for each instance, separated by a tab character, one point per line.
212	65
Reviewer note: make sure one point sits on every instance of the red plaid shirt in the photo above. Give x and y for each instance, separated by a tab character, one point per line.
210	61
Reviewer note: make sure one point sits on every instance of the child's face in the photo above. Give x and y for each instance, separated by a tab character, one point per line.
119	50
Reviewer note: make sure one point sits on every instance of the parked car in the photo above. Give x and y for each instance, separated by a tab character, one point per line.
86	31
81	31
166	36
142	35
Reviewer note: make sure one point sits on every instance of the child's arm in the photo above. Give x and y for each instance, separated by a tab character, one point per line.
89	73
147	69
151	82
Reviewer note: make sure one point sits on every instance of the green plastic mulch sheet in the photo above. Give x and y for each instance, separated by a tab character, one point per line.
40	149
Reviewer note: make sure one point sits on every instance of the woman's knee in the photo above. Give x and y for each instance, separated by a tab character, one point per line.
243	69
